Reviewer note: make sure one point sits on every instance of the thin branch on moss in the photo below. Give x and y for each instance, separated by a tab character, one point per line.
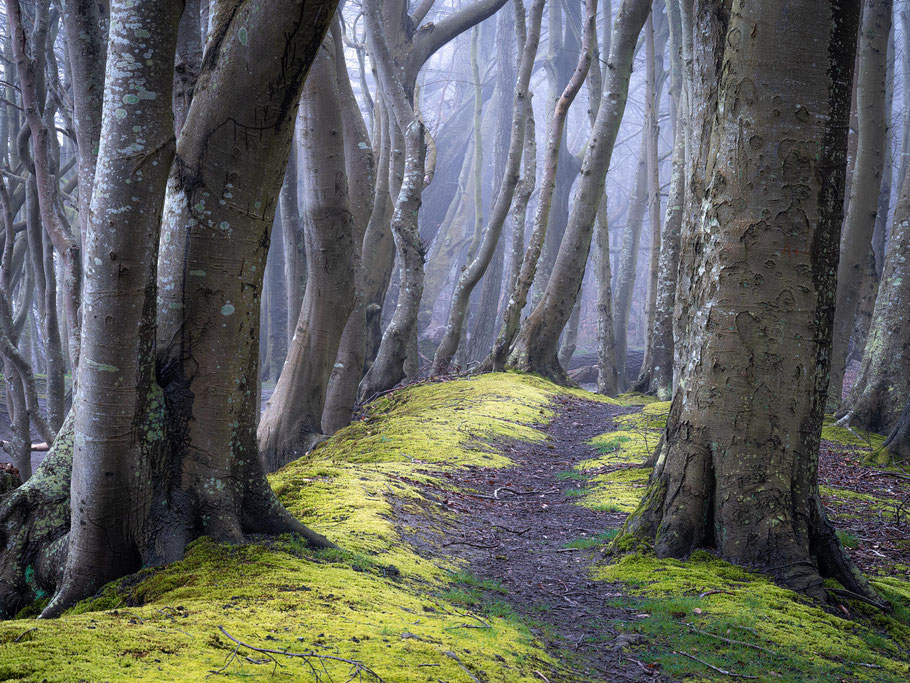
711	666
358	667
733	642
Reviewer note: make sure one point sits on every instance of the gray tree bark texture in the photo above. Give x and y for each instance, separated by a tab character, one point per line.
536	344
877	398
291	423
865	188
738	469
896	450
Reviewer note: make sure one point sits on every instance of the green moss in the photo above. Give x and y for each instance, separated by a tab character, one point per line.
379	600
798	640
592	541
850	438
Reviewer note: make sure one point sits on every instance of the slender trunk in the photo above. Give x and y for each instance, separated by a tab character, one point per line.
739	469
277	341
897	448
518	296
360	168
653	131
657	376
865	189
628	261
527	40
607	377
292	421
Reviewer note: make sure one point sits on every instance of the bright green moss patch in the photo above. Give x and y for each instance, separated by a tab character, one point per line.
850	438
691	605
378	600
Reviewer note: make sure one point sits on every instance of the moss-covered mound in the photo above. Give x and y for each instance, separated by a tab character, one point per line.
380	606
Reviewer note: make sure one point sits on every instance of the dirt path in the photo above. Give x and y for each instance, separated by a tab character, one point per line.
522	542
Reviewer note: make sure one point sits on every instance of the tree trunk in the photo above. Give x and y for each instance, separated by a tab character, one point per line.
896	450
518	296
628	261
117	452
360	168
657	376
292	421
476	268
876	400
277	301
294	249
739	465
866	185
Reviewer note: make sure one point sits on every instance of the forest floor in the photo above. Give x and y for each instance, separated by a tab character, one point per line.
476	518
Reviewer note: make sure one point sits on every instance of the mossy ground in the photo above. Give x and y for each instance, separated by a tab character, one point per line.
380	601
410	614
782	635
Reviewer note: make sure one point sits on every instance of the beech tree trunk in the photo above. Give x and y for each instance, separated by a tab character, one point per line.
292	421
192	467
865	188
897	448
738	469
536	345
877	398
476	268
518	296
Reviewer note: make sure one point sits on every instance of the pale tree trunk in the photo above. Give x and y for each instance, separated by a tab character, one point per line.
294	249
627	269
652	104
117	452
536	345
527	40
30	70
388	367
292	421
877	398
607	377
277	340
398	54
570	336
657	375
739	467
871	87
360	168
518	296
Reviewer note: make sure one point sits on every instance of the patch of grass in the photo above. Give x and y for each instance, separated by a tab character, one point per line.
574	493
468	579
592	541
571	475
465	597
700	605
848	539
605	507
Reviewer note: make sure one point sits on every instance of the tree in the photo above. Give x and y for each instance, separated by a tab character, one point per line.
476	268
184	463
897	447
738	467
876	400
865	187
292	421
537	342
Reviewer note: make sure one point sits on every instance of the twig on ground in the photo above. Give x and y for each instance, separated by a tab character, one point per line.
733	642
358	667
862	598
711	666
451	655
523	493
542	676
24	632
472	545
517	532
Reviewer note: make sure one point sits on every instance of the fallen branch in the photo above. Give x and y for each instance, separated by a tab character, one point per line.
358	667
454	657
733	642
523	493
862	598
711	666
24	632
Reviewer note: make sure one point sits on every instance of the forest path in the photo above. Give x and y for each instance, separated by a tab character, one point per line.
528	543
